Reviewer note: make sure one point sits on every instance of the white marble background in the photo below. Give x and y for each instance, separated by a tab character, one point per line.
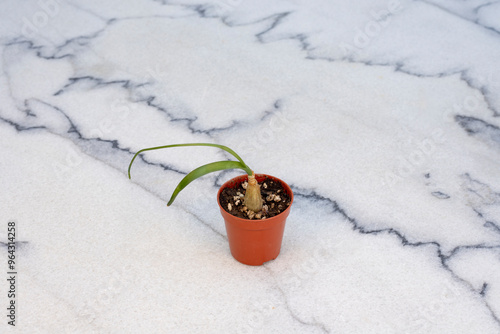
382	115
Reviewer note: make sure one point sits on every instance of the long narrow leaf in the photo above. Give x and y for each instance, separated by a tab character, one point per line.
222	147
200	171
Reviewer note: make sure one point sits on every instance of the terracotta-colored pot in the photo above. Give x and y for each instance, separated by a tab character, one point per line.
253	241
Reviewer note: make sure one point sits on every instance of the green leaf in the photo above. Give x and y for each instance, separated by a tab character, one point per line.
203	170
200	171
222	147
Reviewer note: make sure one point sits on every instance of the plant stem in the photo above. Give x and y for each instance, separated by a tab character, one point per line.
253	197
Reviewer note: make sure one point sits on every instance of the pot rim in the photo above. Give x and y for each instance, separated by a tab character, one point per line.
255	223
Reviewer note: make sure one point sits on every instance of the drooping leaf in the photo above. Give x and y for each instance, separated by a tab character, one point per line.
222	147
200	171
203	170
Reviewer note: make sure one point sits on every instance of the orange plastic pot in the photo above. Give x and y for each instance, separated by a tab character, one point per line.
253	241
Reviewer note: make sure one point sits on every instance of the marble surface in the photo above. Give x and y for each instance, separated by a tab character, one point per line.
383	116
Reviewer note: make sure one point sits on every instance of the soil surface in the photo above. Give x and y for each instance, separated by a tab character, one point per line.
275	198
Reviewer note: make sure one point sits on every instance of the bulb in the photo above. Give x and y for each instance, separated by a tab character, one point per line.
253	199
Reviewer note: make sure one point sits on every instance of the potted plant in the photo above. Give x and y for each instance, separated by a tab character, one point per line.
254	206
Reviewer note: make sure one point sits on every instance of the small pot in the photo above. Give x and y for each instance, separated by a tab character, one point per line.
254	241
